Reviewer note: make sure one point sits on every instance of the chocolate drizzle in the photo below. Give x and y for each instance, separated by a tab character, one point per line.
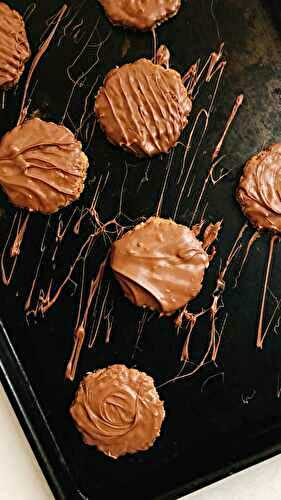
79	334
15	249
35	62
117	409
260	335
216	304
215	161
259	195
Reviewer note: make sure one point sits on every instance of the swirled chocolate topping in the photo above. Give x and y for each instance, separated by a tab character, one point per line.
259	189
160	265
118	410
14	47
42	166
140	14
143	107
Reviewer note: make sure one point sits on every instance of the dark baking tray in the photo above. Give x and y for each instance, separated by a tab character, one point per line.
227	416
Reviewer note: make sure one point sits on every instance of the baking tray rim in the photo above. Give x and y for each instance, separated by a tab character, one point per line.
53	465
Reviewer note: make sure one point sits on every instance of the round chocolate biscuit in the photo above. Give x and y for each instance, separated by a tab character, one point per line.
42	166
259	189
140	14
118	410
14	46
143	107
160	265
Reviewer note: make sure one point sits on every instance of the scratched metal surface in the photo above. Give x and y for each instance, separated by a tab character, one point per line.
227	415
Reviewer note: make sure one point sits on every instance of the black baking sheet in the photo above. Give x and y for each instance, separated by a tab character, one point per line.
227	416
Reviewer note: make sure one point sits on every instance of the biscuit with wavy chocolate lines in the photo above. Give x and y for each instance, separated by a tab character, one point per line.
118	410
259	189
14	46
42	166
140	14
144	107
160	265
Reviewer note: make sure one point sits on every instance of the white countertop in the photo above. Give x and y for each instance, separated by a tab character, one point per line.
22	479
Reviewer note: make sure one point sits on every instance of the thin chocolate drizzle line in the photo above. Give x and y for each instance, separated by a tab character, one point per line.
252	240
211	377
91	135
94	337
210	235
208	177
197	228
82	285
207	115
70	24
71	368
212	65
214	342
214	59
92	209
62	231
42	252
260	335
15	249
141	325
278	391
85	73
277	307
29	11
46	301
215	19
3	102
109	321
85	117
215	161
189	141
154	39
238	103
122	190
97	301
16	246
35	62
145	178
217	342
191	77
6	280
51	21
79	335
168	170
192	320
220	288
84	259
